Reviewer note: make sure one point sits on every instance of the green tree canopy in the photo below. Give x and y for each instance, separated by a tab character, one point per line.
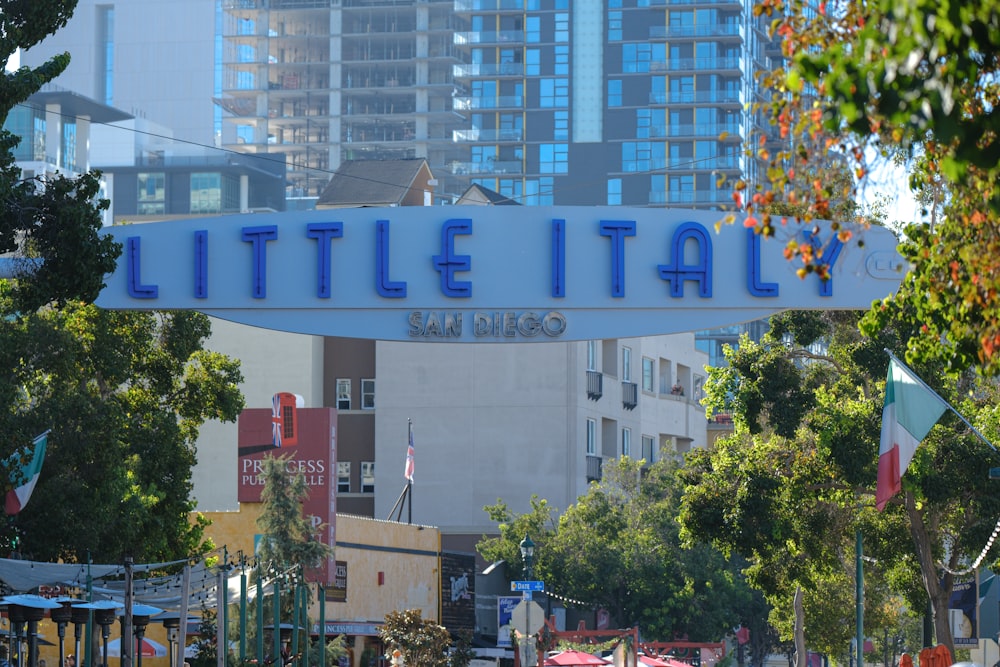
789	495
618	548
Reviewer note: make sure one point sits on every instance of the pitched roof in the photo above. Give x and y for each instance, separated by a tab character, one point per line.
478	195
371	182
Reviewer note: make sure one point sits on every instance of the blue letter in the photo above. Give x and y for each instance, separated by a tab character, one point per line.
447	263
830	253
677	272
558	258
756	287
617	230
385	287
201	264
136	289
323	232
259	236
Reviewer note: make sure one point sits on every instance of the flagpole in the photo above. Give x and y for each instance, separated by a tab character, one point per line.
409	479
938	397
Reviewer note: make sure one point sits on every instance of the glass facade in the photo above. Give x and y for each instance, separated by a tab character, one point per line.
656	91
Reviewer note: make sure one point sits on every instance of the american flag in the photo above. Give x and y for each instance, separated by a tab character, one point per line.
408	471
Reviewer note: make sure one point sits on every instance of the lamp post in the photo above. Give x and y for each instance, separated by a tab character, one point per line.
527	555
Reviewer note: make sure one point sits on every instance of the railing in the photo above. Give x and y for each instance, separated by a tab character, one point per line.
490	37
487	5
630	395
697	97
594	468
595	385
718	197
502	102
488	69
487	167
710	30
701	129
699	64
486	135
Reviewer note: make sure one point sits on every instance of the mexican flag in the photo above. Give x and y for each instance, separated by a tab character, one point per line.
18	497
910	410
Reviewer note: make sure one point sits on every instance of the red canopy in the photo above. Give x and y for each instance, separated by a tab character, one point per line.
574	659
652	661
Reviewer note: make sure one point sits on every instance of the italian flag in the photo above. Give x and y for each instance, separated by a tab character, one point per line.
18	497
911	409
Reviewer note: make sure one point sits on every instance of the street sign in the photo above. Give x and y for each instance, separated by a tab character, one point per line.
527	617
521	586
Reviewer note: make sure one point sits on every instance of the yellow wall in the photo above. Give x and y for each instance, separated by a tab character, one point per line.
406	555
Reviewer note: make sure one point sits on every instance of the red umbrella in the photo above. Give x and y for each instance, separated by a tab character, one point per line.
652	661
574	659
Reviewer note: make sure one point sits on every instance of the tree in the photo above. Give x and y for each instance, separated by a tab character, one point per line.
421	642
865	81
618	547
124	394
56	220
289	548
792	501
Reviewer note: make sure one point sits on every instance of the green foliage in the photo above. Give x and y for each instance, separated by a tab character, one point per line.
422	642
790	495
123	426
289	539
618	548
863	83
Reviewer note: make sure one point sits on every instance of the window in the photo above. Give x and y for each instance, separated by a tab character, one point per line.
343	393
591	355
553	92
367	477
367	394
614	192
614	26
591	437
562	27
151	193
560	125
614	92
626	364
626	442
206	192
343	476
647	374
553	158
648	450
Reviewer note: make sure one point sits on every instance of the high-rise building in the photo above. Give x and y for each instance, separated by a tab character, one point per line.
618	102
326	82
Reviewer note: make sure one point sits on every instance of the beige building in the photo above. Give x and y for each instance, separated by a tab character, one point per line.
384	566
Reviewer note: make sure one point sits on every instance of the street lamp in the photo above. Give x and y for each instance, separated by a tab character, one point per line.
527	555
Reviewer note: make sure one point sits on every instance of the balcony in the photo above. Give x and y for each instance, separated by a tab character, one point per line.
486	167
488	5
695	64
594	465
490	37
630	395
502	102
710	30
466	71
491	136
595	385
733	130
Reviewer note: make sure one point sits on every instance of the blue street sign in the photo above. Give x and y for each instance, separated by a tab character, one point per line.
521	586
